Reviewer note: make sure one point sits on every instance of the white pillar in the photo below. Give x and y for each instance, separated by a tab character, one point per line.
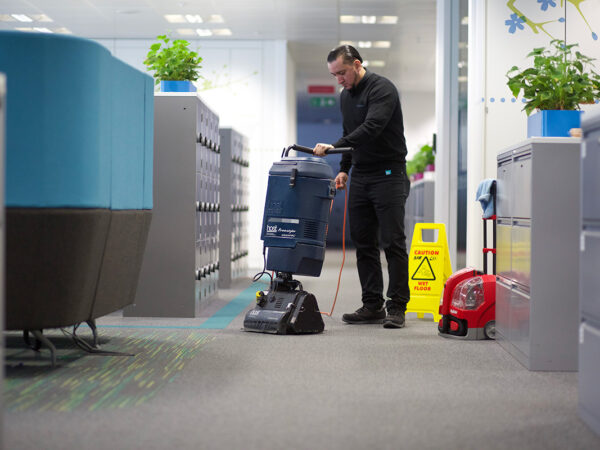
476	149
446	160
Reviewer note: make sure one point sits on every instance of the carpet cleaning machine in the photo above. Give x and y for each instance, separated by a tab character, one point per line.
468	306
297	206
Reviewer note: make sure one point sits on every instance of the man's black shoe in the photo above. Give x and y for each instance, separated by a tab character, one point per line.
364	315
394	319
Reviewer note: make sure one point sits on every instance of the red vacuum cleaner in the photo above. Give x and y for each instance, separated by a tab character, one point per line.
468	307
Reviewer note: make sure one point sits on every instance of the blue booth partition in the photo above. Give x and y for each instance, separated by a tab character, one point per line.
79	132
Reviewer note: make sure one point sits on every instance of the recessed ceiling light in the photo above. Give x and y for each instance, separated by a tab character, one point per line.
365	44
368	19
63	30
382	44
349	19
388	20
42	30
377	63
222	32
186	31
29	29
22	17
203	32
216	18
175	18
347	43
7	18
193	18
41	18
366	63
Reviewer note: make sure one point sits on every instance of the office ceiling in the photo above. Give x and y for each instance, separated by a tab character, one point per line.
312	28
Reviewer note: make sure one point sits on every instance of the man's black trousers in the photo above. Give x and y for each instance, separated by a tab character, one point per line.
376	213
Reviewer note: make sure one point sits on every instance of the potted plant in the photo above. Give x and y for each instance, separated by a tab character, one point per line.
557	84
421	162
175	66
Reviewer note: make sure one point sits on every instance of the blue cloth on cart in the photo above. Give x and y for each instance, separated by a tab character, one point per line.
485	197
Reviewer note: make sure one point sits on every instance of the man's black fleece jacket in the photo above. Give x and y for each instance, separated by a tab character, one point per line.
373	126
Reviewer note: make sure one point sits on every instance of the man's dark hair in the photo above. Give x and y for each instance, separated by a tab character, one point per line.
347	51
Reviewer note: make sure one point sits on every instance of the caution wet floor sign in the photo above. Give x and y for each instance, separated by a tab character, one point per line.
429	267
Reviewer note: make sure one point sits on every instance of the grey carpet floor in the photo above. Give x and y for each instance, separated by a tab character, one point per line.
351	387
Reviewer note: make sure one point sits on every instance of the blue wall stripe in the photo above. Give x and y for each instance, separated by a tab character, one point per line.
231	310
219	320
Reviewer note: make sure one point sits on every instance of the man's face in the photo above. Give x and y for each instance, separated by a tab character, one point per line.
346	74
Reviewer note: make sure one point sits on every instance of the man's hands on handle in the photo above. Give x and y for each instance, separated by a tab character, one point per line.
340	180
321	149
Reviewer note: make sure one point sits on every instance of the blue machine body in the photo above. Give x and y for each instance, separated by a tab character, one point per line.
294	230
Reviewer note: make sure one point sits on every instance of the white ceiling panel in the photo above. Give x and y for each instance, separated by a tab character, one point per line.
312	28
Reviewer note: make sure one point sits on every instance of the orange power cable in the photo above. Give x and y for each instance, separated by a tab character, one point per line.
343	251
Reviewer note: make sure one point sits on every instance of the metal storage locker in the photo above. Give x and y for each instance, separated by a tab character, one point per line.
589	282
538	258
420	207
179	269
233	226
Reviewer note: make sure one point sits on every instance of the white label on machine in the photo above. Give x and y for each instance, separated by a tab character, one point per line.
282	227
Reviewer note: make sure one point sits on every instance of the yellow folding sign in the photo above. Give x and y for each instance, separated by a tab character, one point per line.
429	267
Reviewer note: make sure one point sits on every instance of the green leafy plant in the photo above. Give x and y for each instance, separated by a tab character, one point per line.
172	60
559	79
420	160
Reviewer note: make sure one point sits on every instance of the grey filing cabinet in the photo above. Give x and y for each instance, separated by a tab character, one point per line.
233	225
589	287
180	266
2	128
420	206
538	209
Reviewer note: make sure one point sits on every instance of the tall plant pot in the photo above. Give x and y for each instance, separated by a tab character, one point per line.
553	123
177	86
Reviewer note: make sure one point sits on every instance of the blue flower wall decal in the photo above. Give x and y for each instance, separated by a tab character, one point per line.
518	18
545	4
514	22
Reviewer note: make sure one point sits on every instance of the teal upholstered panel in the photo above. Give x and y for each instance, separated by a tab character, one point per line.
128	133
57	121
77	125
149	143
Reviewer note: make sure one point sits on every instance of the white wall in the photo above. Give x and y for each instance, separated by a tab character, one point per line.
418	109
495	118
251	87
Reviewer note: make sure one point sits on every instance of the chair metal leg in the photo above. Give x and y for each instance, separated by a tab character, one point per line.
44	340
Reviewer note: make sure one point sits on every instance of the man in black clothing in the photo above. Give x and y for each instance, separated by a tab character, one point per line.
372	121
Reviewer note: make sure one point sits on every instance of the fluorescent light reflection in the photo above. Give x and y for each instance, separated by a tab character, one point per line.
216	18
22	17
41	18
193	18
387	20
221	32
382	44
349	19
175	18
186	31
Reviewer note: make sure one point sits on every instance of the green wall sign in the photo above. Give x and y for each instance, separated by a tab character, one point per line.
322	102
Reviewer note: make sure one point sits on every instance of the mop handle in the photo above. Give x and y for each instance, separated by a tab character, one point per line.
303	149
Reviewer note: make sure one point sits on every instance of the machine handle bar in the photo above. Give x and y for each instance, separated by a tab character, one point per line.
303	149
